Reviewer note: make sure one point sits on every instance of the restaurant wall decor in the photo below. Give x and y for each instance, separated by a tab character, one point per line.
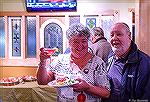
91	23
53	37
31	37
2	37
15	33
23	36
106	23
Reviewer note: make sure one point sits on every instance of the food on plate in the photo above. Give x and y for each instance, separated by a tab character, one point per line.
64	79
61	81
10	81
28	78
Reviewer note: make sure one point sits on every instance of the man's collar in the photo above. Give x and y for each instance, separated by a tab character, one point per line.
130	56
100	39
133	56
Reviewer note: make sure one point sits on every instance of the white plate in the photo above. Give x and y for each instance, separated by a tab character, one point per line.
53	83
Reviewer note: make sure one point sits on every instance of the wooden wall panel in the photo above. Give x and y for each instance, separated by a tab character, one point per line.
61	19
17	71
144	24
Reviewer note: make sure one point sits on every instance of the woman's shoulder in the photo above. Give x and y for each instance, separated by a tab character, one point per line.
97	59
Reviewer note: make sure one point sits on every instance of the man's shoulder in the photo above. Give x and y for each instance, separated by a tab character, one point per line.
103	41
101	45
97	59
94	47
144	56
137	52
145	59
105	45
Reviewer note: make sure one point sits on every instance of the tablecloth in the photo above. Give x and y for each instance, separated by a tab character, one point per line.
28	92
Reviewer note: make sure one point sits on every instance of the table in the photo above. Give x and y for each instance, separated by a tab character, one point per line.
28	92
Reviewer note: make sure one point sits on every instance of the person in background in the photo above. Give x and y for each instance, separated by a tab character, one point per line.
129	68
101	47
93	82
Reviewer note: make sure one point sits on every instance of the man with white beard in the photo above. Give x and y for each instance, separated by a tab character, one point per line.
128	69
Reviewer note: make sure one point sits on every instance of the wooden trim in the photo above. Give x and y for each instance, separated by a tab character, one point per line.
74	15
108	15
20	13
52	15
90	15
6	38
19	66
20	62
23	37
37	36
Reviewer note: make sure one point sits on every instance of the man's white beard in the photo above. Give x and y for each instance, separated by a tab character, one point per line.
116	51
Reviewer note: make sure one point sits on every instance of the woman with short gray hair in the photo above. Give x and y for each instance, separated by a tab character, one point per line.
92	80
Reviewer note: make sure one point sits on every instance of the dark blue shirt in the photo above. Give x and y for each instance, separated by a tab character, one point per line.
115	75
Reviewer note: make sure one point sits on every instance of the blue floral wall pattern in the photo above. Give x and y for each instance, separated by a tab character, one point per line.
74	19
16	37
106	23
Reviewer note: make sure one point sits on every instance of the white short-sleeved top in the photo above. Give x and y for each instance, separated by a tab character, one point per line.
94	73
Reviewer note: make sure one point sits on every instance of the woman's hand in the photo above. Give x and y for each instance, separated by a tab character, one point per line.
43	76
81	86
43	55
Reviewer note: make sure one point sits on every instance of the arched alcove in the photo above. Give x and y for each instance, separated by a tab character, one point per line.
52	35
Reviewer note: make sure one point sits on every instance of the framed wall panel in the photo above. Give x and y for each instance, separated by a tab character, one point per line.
31	37
2	38
15	39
